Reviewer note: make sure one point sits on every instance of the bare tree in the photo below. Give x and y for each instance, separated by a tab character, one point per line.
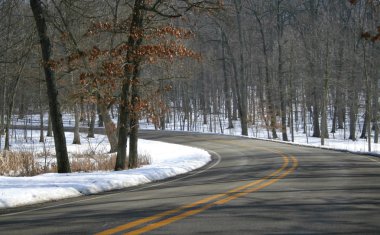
63	164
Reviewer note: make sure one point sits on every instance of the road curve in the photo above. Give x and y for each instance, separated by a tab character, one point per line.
250	187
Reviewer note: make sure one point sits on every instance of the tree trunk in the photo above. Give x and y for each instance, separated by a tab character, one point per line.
339	99
50	128
363	134
63	164
91	133
240	77
317	131
325	133
76	139
292	94
324	112
109	126
268	87
335	115
3	110
162	107
82	116
282	86
353	99
376	111
21	110
226	85
10	106
42	138
134	126
100	117
204	98
130	71
368	106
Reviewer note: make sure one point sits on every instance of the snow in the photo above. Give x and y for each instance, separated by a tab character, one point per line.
336	141
167	160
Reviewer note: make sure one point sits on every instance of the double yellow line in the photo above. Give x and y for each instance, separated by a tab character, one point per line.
206	203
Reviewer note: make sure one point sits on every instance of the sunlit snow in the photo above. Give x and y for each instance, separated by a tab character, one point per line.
167	160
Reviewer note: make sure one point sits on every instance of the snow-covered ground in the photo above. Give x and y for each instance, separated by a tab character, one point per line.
167	160
337	141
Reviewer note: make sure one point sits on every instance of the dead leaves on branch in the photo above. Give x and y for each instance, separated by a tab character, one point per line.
167	51
366	35
112	62
109	27
146	34
369	2
101	71
165	31
371	37
108	66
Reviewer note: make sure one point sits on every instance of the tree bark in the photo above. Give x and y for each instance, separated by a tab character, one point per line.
11	105
49	132
325	133
268	87
76	139
376	111
91	132
241	82
130	70
100	117
63	164
134	126
42	137
353	106
317	130
282	86
109	126
363	134
368	106
226	85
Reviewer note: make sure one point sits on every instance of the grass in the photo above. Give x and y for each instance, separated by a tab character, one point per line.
28	163
19	164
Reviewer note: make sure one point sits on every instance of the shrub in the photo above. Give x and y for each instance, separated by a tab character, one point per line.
23	163
19	164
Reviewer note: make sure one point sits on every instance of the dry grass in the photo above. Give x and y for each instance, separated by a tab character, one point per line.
24	163
89	162
144	159
19	164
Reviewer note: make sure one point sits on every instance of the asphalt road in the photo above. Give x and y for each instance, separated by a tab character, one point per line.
250	187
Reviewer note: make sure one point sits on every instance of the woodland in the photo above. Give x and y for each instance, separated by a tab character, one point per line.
279	64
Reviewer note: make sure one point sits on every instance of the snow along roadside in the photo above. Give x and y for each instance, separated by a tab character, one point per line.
167	160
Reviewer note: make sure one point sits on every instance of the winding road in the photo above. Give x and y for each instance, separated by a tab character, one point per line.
250	187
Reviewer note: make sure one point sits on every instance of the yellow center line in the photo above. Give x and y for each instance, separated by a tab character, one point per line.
157	216
251	190
194	204
197	203
170	220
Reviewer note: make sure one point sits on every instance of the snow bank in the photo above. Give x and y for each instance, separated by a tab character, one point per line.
167	160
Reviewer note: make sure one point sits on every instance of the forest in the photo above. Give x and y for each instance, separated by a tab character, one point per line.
285	66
